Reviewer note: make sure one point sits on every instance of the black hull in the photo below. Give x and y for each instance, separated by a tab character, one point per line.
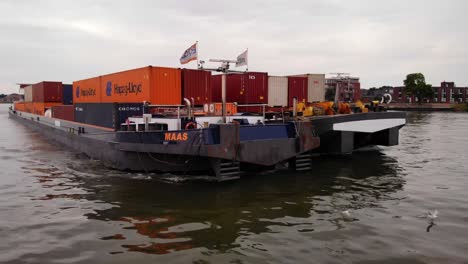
147	151
226	149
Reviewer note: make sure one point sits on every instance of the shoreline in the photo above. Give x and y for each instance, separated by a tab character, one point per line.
440	107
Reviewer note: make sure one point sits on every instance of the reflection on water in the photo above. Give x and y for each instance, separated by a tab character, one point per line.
60	207
176	217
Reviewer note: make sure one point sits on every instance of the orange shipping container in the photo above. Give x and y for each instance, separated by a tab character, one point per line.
19	106
231	109
157	85
166	86
39	108
87	91
132	86
28	107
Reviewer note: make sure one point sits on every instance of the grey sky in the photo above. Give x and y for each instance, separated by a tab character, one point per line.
379	41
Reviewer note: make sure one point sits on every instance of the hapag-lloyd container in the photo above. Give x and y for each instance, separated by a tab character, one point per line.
297	87
127	86
65	112
277	91
109	115
47	92
156	85
196	84
87	90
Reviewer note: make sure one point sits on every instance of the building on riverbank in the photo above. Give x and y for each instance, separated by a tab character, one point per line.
447	92
348	88
11	98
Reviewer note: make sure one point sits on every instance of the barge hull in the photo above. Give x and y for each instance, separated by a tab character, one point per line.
231	147
100	147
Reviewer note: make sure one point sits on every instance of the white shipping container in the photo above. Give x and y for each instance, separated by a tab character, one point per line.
28	94
316	87
277	91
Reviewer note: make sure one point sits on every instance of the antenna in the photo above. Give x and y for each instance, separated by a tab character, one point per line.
341	74
224	68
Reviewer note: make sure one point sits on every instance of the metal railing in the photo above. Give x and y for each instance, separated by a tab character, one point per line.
262	105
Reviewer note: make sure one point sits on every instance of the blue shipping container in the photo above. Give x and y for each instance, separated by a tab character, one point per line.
110	115
124	111
67	94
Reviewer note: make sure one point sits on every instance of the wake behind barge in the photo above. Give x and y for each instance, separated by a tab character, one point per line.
222	150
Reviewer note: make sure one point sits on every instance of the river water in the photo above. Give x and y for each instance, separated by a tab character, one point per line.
57	206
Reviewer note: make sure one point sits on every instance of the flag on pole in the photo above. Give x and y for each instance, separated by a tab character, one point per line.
190	54
242	59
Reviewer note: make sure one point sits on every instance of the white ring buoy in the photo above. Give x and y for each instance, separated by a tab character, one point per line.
212	108
387	95
205	108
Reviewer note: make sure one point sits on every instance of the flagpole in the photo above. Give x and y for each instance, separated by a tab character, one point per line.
196	46
247	69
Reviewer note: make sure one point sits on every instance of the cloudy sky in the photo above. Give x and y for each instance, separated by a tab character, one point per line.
379	41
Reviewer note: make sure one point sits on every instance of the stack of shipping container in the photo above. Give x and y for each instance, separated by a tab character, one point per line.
66	111
275	91
108	100
41	96
46	95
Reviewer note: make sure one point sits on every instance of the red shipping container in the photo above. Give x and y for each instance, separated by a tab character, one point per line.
216	88
235	88
196	84
297	87
250	109
257	88
65	112
247	88
47	92
244	88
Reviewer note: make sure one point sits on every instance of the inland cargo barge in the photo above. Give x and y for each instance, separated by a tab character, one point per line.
220	150
141	120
